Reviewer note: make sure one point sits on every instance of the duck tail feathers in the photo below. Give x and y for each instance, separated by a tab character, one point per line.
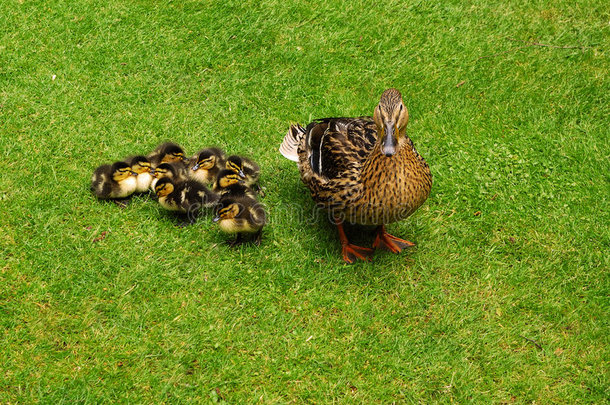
290	144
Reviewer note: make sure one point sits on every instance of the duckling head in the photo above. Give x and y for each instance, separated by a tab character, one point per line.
391	117
164	187
164	170
236	164
140	164
172	153
227	209
227	178
206	160
121	171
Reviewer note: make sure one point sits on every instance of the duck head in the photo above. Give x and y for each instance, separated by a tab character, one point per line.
227	178
227	209
164	187
140	164
121	171
206	160
391	117
236	164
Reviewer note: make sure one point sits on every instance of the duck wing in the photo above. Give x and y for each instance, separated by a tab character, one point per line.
339	145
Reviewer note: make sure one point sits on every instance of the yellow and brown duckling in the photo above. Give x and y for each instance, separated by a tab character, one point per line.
175	170
246	168
241	216
363	170
206	164
114	181
141	165
230	184
167	152
187	197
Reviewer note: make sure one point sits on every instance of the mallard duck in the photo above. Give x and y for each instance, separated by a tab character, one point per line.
241	216
362	170
141	166
187	197
114	181
176	171
167	152
230	184
206	164
247	169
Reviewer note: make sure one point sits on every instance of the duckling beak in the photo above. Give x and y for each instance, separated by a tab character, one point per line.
216	218
196	167
388	144
134	173
242	174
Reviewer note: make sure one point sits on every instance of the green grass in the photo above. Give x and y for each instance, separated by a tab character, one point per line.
505	299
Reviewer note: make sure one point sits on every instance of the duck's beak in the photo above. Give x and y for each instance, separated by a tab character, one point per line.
196	167
242	174
216	218
388	143
134	173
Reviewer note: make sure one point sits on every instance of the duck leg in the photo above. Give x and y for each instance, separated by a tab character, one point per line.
122	203
389	242
258	237
237	241
350	252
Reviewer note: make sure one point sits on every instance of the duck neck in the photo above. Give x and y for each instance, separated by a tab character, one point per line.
379	167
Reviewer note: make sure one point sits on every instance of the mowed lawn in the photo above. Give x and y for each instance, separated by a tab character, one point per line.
505	298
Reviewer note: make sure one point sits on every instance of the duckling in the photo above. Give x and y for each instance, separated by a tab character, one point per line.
167	152
246	168
229	184
240	216
206	164
141	166
114	181
175	171
186	197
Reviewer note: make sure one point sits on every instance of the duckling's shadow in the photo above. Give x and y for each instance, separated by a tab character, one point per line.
183	220
122	203
148	196
246	241
361	235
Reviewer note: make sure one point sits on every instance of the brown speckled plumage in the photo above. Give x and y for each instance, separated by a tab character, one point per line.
353	179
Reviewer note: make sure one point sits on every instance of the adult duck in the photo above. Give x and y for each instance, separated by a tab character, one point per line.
363	170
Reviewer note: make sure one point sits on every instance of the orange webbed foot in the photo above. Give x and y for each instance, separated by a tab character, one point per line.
390	242
351	253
